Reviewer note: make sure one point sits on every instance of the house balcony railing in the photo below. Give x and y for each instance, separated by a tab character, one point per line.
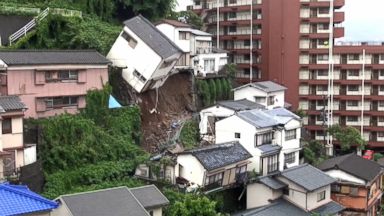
272	168
213	186
241	178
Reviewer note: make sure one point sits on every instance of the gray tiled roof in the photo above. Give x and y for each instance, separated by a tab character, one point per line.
220	155
49	57
331	208
269	149
266	86
282	207
279	207
240	105
354	165
11	103
118	201
153	37
308	177
272	182
150	196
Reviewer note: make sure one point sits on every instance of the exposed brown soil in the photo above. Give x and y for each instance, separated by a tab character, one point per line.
174	104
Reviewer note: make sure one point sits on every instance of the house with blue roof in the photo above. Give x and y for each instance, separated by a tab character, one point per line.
271	136
19	200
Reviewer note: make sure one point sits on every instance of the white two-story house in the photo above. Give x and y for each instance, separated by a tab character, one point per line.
271	136
199	54
266	93
299	191
145	55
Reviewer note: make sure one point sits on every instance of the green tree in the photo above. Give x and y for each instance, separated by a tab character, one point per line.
314	152
231	70
189	17
229	89
219	89
225	88
347	137
205	93
212	90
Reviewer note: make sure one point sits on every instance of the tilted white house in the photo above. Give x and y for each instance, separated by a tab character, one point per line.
145	55
271	136
299	191
199	54
222	109
267	93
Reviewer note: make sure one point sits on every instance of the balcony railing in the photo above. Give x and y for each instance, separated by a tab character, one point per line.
212	186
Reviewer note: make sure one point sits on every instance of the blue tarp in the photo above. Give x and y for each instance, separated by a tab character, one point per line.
113	103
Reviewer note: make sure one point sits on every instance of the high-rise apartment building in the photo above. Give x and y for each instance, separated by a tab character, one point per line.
291	42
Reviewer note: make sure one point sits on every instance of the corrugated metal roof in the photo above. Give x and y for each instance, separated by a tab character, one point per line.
279	207
11	103
272	182
220	155
19	200
269	149
49	57
266	86
258	118
152	36
240	105
331	208
308	177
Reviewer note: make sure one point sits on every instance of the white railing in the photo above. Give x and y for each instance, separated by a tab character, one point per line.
66	12
23	31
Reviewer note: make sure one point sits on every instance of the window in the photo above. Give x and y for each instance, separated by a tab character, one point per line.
323	10
271	100
247	57
131	42
273	164
247	43
6	125
345	189
322	88
323	26
353	88
354	191
260	100
380	134
354	57
183	36
353	103
247	71
286	191
354	73
290	158
68	75
352	119
241	169
237	135
320	196
209	65
197	2
232	15
265	138
232	1
139	76
58	102
232	29
335	188
214	178
322	57
381	88
290	134
322	73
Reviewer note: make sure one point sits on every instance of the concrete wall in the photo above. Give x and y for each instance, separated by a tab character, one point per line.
251	92
259	194
192	170
29	83
156	212
215	111
14	139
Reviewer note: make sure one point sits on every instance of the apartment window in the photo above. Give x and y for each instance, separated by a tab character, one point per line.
380	134
381	119
322	57
381	103
68	75
322	73
131	42
353	88
139	76
197	2
265	138
381	72
232	15
354	73
381	88
237	135
354	57
58	102
183	36
272	163
271	100
320	196
232	28
290	158
209	65
247	57
214	178
335	188
353	103
323	26
322	88
232	1
322	42
323	10
290	134
247	43
247	71
6	125
352	119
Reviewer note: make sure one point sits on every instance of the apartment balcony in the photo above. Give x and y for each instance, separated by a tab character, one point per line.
230	6
339	17
323	3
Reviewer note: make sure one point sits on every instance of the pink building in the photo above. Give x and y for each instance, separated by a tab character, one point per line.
51	82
